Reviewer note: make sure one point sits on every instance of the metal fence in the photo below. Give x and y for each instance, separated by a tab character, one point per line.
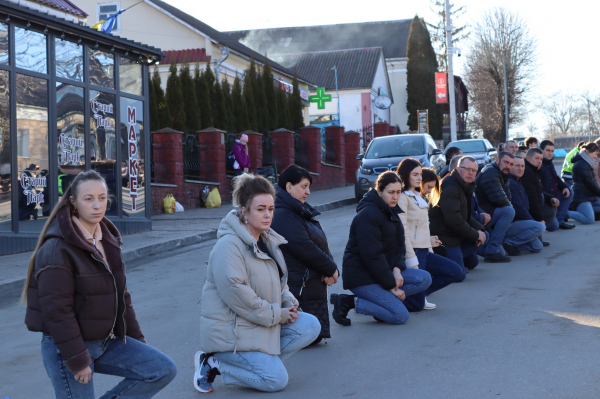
330	156
267	145
194	166
158	169
366	135
301	156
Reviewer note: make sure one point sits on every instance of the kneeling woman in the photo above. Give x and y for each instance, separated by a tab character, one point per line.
418	240
373	267
77	297
586	197
248	316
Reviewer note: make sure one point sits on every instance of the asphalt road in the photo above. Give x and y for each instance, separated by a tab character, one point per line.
526	329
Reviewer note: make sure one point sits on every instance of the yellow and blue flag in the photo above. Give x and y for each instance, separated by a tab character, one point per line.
106	25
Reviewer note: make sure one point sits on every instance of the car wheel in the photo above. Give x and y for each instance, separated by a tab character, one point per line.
357	193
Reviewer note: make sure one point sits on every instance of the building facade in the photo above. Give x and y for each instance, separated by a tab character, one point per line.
71	99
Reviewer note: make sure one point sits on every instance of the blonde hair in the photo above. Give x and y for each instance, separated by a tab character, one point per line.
247	186
71	192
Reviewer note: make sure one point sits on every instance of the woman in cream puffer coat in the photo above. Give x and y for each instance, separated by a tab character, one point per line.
418	240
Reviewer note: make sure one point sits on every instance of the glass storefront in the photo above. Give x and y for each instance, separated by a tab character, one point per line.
68	105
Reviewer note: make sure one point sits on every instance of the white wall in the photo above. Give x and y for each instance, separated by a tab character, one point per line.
350	103
397	75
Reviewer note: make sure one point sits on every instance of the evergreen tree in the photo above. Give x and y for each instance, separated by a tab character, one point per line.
164	115
272	121
295	105
220	114
203	100
240	108
153	104
283	111
260	102
192	111
249	88
226	91
175	100
420	75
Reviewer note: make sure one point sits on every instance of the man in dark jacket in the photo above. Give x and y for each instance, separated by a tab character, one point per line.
451	153
555	186
451	217
532	184
493	193
524	232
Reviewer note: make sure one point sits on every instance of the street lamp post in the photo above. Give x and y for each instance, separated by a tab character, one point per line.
505	93
450	51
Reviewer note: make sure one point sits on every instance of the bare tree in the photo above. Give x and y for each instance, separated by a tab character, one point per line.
499	31
438	30
563	111
531	127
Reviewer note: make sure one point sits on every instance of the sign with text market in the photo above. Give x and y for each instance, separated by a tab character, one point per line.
441	89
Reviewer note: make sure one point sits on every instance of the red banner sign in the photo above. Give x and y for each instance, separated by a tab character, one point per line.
441	96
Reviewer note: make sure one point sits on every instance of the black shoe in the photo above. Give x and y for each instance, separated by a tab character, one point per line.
496	258
342	304
545	243
566	226
511	250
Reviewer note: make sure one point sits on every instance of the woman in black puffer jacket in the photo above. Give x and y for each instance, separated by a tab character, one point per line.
310	264
586	191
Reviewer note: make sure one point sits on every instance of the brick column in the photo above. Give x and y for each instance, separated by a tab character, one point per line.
381	129
212	154
283	148
168	157
255	150
352	150
392	130
337	135
311	138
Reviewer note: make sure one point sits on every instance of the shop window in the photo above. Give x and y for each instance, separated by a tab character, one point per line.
30	50
70	132
130	76
69	60
3	43
105	10
32	166
133	183
5	165
102	67
103	146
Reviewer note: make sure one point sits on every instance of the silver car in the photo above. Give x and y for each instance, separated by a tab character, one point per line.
481	149
385	153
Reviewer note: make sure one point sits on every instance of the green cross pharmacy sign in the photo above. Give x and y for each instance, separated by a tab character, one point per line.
321	98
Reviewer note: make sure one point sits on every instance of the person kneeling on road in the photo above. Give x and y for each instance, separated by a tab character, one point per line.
373	267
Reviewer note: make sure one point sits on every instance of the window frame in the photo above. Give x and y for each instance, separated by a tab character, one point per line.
117	27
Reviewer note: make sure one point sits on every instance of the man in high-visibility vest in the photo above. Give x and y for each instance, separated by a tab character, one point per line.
567	169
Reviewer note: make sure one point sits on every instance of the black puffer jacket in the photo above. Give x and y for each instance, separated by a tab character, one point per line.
492	188
585	187
451	219
531	182
551	182
376	244
306	254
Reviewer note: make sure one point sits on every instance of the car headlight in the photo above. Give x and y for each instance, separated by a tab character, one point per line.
366	171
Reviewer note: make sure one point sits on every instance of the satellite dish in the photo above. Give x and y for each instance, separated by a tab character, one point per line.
382	102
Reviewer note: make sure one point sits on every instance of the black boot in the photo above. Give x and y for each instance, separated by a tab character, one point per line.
342	304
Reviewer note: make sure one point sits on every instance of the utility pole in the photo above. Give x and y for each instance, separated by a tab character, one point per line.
450	50
337	93
505	93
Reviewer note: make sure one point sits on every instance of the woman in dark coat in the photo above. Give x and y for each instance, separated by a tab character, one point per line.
374	266
586	191
310	264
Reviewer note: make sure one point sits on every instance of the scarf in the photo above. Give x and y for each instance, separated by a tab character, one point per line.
593	163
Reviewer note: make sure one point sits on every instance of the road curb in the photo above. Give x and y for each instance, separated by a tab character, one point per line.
10	290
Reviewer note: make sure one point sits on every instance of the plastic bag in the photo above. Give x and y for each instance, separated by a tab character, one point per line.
214	199
169	203
178	207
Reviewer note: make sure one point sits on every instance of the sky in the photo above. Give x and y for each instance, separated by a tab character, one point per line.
566	32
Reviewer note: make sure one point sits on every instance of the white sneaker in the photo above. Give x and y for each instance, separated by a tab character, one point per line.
429	306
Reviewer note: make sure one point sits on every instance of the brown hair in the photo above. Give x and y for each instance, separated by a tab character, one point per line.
247	186
530	140
590	147
404	170
72	191
385	179
429	175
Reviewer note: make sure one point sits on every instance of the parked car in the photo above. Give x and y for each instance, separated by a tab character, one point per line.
385	153
480	149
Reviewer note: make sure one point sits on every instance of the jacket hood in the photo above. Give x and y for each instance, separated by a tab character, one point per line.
576	158
373	199
231	225
283	199
62	227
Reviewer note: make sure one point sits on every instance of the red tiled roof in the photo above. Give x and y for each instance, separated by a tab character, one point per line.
64	5
185	56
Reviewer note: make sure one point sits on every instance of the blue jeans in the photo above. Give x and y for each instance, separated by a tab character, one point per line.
500	223
585	212
266	372
443	272
466	251
561	211
374	300
524	234
145	370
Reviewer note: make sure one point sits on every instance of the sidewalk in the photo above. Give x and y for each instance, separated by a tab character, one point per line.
169	232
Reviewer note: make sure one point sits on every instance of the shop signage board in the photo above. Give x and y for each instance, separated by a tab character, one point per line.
29	184
440	88
133	155
423	116
321	98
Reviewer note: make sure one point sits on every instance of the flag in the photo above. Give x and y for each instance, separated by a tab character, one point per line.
106	25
